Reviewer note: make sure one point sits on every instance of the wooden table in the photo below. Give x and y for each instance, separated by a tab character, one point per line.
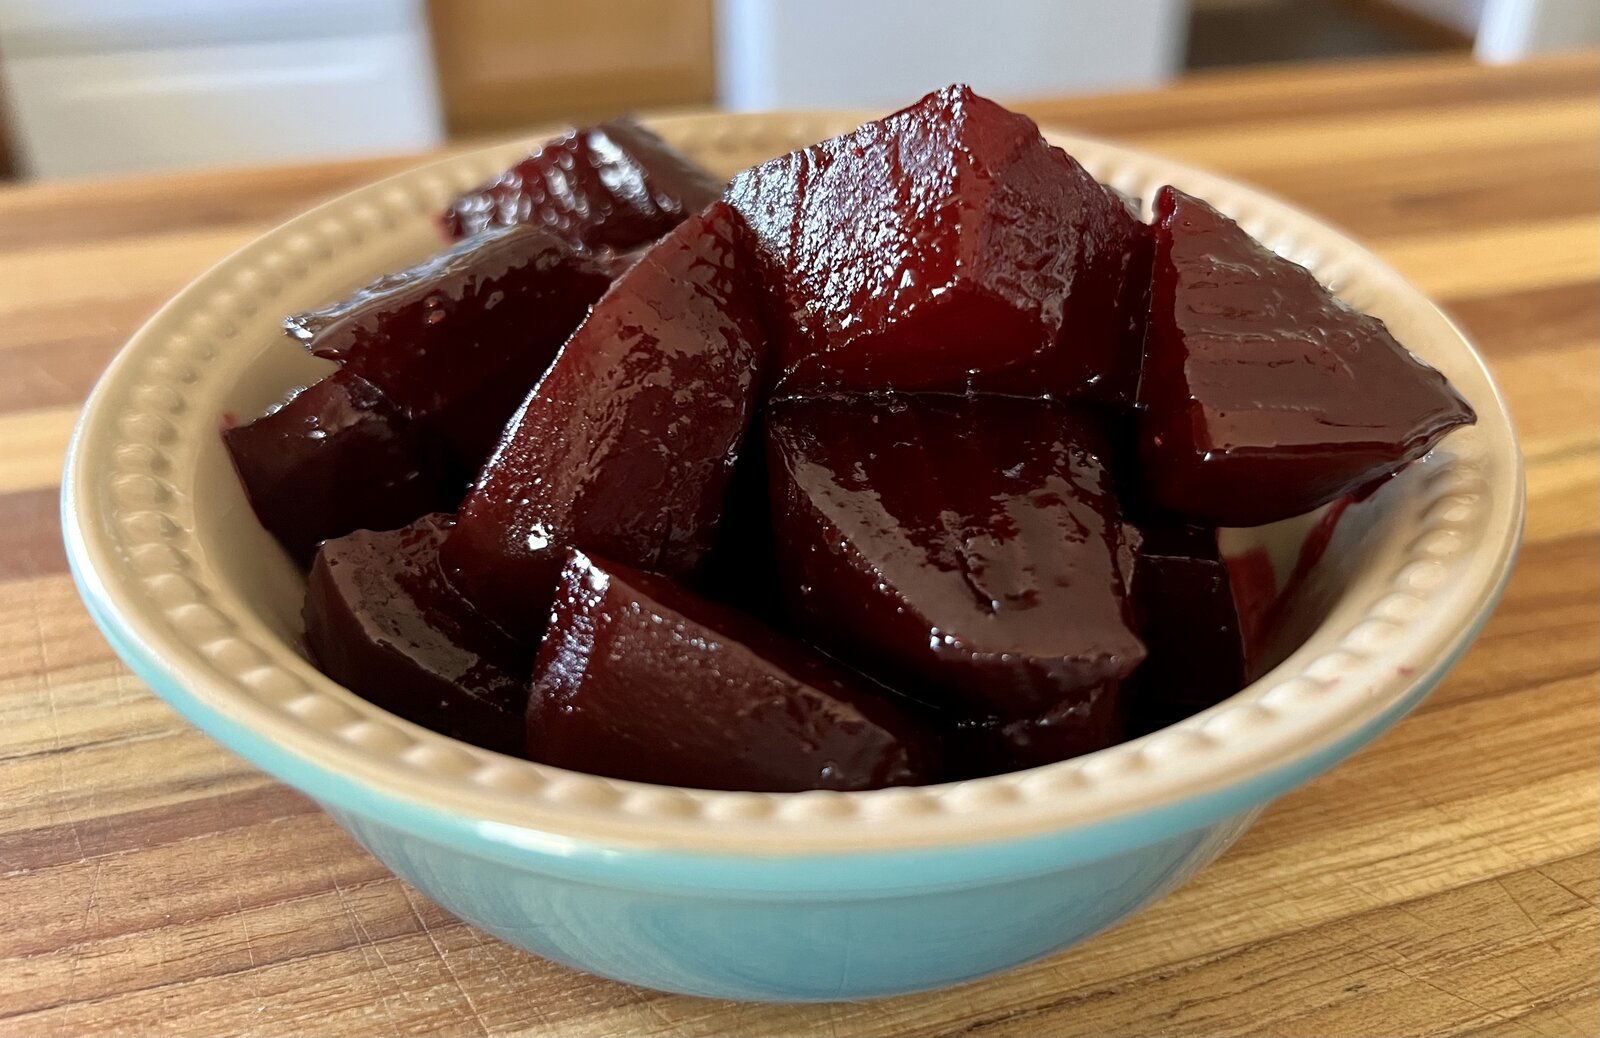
1442	882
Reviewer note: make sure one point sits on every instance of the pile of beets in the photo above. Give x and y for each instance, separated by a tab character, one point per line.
898	459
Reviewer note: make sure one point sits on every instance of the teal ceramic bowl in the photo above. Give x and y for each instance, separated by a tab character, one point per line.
809	896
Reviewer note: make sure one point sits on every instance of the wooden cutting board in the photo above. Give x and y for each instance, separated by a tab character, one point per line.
1442	882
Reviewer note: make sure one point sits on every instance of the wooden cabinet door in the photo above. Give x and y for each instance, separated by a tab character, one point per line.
507	63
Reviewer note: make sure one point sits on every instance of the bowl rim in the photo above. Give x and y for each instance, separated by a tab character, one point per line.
158	600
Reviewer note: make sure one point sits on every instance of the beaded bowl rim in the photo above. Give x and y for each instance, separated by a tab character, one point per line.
129	526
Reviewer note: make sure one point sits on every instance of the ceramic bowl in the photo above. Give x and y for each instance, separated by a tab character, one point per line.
808	896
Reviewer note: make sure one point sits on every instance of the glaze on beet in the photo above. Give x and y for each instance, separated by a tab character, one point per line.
338	456
457	341
615	184
382	620
627	445
630	655
1263	396
941	543
945	242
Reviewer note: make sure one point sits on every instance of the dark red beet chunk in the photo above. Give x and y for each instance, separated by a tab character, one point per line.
1090	720
458	341
947	239
1098	354
626	446
964	549
640	679
616	184
1263	396
382	620
1189	624
335	457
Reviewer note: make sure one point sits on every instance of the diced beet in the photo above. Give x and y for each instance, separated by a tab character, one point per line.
640	679
627	444
963	549
458	341
1100	351
615	184
1263	396
944	240
1090	720
382	620
1189	624
338	456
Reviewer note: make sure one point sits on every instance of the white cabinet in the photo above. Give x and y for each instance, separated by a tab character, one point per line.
1515	30
872	53
105	86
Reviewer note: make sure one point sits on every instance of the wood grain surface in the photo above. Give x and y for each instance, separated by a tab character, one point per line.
1443	882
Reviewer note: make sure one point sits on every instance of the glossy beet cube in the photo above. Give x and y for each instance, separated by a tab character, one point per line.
1189	624
615	184
1099	353
640	679
382	620
1090	720
1264	396
627	444
458	341
948	241
963	549
338	456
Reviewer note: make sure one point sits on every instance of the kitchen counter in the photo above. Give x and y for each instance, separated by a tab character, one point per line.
1444	881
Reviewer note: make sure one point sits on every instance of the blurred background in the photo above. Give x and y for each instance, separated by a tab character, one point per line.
91	87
